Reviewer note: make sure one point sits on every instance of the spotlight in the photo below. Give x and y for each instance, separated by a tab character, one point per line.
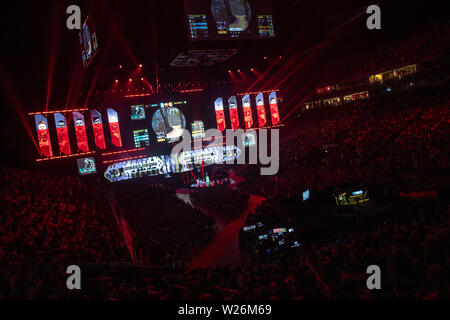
120	67
116	81
142	79
252	69
140	66
131	80
239	70
229	71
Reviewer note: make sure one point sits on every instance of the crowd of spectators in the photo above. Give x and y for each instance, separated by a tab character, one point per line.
48	223
166	230
410	248
224	202
412	47
51	222
365	141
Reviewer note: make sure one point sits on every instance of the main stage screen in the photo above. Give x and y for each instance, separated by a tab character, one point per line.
229	19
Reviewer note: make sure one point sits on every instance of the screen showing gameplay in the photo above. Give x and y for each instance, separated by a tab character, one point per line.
88	41
168	122
229	19
138	112
141	138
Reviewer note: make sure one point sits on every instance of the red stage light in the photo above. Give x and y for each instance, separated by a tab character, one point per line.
140	66
142	79
120	67
116	81
252	69
131	80
239	70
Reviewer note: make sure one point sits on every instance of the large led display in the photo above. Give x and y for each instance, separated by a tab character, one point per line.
45	145
261	110
114	127
174	163
229	19
141	138
198	130
88	41
274	108
97	127
168	123
220	114
80	131
234	115
246	107
63	133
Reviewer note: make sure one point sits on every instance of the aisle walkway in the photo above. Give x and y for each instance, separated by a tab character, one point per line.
224	250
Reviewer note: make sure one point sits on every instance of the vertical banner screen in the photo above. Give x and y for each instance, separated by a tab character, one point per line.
43	134
234	115
63	133
246	106
274	108
220	114
80	131
261	110
97	127
114	127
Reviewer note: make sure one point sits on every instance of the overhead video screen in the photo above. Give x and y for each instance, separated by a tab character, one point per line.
229	19
88	41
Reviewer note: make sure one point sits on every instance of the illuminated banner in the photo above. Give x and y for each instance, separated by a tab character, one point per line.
43	134
246	106
274	108
80	131
114	127
261	109
97	127
220	114
234	115
63	133
174	163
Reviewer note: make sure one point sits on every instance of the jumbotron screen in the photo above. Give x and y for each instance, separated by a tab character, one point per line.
229	19
88	41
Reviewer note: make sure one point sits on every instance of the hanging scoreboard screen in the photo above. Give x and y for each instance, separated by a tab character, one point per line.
88	41
229	19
